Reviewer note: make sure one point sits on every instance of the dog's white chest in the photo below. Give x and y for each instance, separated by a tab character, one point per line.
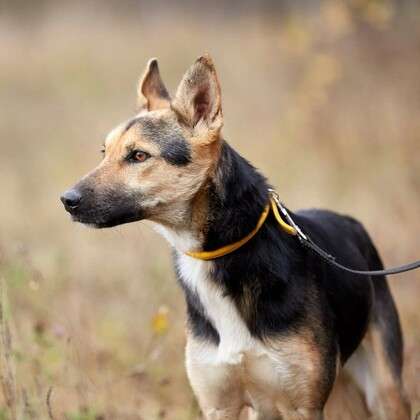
235	339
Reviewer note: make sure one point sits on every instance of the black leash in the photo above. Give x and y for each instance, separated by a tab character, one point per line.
307	242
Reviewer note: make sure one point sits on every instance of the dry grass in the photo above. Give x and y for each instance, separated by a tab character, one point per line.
326	104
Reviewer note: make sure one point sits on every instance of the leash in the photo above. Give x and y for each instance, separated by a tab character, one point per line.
307	242
293	229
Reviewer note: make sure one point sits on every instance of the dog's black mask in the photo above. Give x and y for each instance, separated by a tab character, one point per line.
101	208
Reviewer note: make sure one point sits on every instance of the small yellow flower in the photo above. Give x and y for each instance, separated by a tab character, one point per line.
160	320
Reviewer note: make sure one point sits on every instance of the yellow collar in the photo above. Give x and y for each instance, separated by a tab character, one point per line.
227	249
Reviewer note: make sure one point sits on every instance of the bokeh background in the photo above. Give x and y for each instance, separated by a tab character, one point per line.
323	96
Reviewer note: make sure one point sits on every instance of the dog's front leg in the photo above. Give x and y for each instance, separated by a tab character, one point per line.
216	385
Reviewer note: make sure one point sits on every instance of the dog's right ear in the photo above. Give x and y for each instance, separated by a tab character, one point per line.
198	98
151	92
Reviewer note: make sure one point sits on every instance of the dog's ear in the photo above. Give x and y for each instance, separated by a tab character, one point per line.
198	99
151	92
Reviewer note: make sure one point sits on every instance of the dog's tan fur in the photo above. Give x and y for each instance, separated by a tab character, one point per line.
372	372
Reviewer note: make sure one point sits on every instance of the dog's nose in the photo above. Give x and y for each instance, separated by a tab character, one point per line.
71	199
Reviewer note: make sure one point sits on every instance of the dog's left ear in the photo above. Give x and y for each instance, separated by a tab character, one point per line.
151	91
198	99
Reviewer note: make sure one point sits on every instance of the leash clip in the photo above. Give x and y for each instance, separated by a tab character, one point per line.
287	216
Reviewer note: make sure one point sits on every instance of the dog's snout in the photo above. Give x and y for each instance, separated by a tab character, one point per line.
71	199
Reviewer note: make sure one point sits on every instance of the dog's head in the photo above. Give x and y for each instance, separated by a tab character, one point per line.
155	163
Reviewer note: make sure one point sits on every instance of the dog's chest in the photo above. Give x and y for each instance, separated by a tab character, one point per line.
219	309
282	366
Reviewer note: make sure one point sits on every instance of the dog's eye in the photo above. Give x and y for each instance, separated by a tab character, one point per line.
103	150
139	156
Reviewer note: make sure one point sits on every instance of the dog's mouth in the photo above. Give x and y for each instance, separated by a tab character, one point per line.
89	222
104	222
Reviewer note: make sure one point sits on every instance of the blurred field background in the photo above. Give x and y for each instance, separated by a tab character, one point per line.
323	96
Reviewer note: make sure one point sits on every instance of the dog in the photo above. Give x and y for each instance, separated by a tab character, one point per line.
269	324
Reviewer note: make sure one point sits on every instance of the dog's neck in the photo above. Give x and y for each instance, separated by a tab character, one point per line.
225	210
